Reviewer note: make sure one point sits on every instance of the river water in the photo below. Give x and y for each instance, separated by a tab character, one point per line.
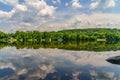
57	64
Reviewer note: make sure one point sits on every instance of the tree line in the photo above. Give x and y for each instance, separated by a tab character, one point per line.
92	34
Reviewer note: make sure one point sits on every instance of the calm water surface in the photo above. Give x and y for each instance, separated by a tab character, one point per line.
56	64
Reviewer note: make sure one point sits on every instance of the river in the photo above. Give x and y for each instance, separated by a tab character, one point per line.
57	64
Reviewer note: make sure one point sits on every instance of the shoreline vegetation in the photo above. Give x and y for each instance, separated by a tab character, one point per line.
93	39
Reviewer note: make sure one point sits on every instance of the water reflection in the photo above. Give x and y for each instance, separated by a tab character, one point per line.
55	64
99	46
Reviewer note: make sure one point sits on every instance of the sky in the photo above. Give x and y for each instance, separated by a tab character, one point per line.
54	15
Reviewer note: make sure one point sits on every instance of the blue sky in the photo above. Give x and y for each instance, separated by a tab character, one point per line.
50	15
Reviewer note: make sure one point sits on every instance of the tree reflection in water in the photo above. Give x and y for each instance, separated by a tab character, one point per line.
71	45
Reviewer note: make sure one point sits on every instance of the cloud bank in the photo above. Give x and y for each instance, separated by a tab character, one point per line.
43	16
102	4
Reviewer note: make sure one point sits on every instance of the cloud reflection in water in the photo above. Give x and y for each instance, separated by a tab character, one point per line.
55	64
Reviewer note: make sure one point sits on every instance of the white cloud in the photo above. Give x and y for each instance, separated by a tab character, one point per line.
17	8
76	4
32	12
9	2
95	20
4	14
35	4
102	4
38	15
31	21
56	1
40	6
21	7
47	11
94	5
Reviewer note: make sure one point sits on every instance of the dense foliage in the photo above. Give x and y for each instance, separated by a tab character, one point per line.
76	39
98	34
